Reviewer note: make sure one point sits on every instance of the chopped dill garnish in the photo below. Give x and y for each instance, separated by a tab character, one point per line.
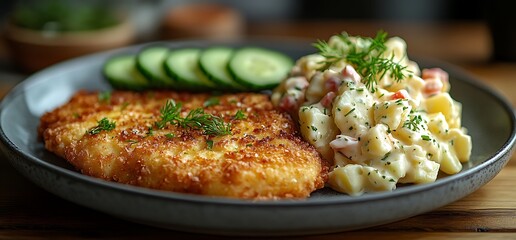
104	97
368	61
212	101
209	144
124	106
170	113
426	137
196	119
350	111
239	115
210	124
103	125
386	155
413	123
150	131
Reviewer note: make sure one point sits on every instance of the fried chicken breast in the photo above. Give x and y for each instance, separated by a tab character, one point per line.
263	157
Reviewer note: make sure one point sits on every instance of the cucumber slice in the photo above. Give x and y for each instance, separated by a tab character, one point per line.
213	62
121	73
150	63
259	68
183	65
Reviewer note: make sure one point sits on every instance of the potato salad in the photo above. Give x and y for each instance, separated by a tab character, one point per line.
374	115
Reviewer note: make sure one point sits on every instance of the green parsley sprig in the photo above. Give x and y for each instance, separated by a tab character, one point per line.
368	61
196	119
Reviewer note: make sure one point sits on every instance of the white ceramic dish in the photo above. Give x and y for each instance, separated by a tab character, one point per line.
489	118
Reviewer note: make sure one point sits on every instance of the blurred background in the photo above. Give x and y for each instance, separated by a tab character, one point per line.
38	33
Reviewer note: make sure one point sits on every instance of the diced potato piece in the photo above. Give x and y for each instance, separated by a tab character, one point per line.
318	129
395	164
315	90
310	64
444	104
425	172
461	144
437	124
336	42
378	180
415	84
382	95
406	136
396	49
433	147
391	112
355	179
352	114
422	170
376	143
456	122
413	67
348	179
449	162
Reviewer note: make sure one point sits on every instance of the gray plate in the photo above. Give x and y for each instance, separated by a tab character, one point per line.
489	118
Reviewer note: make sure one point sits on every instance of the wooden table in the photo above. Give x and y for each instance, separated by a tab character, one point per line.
28	212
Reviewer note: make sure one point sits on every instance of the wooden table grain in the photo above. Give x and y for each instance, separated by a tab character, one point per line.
28	212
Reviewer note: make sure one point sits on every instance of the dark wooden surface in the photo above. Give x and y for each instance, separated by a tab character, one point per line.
28	212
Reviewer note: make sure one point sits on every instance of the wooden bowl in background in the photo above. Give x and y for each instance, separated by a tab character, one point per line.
32	50
202	20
